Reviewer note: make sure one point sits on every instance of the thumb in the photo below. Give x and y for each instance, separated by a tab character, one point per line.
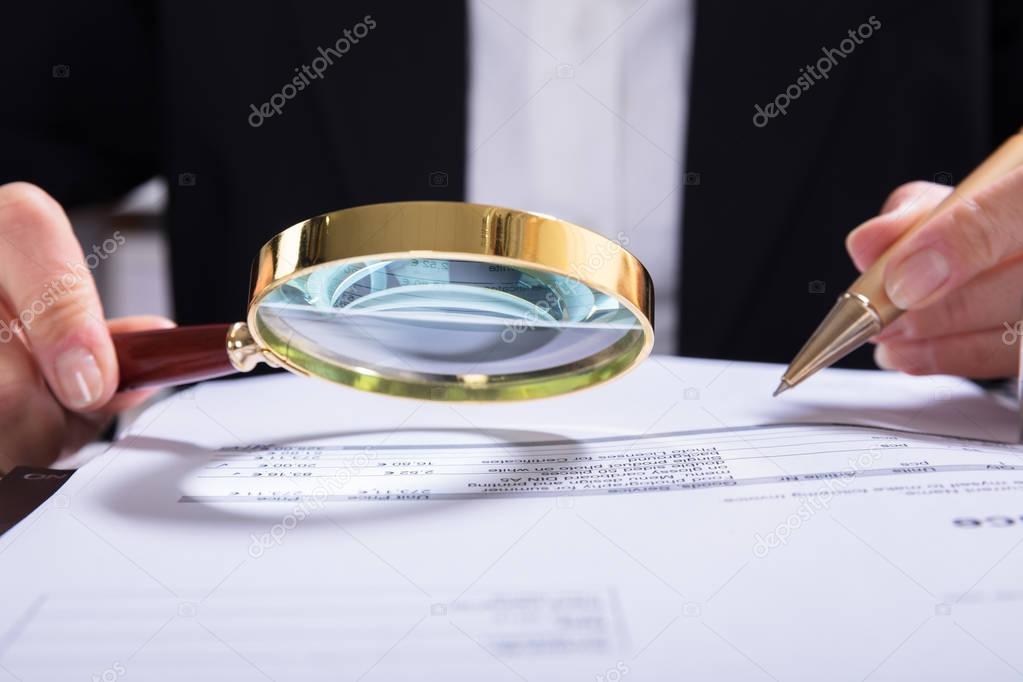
966	237
83	427
121	325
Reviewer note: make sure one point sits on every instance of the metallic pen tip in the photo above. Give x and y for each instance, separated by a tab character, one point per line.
782	387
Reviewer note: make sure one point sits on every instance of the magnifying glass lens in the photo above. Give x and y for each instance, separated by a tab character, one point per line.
432	319
423	299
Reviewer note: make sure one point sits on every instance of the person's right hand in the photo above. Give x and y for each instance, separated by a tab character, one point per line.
58	370
958	276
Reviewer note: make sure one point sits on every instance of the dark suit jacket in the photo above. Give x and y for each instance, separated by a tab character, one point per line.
166	87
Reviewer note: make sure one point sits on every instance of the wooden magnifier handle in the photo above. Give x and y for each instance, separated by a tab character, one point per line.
169	357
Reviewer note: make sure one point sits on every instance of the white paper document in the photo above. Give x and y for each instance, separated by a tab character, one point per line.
675	524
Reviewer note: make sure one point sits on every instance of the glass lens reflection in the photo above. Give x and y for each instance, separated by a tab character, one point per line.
420	316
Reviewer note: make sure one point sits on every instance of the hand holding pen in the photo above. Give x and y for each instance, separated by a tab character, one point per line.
952	261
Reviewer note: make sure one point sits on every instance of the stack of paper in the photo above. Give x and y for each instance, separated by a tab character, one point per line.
675	524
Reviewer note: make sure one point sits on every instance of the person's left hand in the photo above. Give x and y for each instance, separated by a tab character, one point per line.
959	277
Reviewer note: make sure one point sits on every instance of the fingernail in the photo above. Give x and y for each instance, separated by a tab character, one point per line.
79	378
916	278
882	358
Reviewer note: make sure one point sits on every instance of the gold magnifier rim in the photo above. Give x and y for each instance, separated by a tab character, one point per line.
457	231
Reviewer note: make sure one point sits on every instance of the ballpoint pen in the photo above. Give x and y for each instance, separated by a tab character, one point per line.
864	309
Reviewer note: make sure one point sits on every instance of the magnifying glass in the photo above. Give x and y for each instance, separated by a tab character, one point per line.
431	300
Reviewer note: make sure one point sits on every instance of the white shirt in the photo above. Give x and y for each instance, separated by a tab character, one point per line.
577	109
